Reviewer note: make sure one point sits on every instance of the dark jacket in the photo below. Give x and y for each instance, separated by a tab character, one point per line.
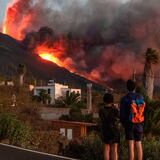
109	120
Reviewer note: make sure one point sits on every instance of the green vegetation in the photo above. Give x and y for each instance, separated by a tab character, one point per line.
75	114
152	120
43	97
91	148
14	130
70	100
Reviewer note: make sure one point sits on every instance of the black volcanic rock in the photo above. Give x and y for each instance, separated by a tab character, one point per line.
12	53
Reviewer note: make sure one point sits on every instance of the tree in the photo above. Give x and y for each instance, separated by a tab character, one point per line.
71	98
43	97
151	58
21	72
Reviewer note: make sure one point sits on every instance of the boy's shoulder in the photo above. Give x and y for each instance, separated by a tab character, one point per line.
131	95
106	109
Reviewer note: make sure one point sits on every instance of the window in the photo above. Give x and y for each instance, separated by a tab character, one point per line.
63	131
69	134
49	91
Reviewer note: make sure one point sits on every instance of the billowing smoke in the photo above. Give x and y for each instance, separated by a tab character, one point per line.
102	39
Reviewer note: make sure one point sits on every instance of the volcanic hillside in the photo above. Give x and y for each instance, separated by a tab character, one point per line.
12	53
101	40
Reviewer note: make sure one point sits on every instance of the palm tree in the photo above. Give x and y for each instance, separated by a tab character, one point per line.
151	58
71	98
21	72
44	97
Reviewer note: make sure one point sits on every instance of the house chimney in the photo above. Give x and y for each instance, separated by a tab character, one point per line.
89	97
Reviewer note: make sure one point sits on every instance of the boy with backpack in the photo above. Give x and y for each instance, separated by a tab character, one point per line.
132	118
109	116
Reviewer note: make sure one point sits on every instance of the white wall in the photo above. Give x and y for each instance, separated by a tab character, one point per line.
58	90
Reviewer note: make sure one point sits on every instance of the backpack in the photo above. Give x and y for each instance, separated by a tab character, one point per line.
137	106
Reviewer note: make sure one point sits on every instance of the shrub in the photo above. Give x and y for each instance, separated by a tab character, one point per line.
49	141
152	117
75	114
93	147
90	148
151	148
74	149
123	151
14	130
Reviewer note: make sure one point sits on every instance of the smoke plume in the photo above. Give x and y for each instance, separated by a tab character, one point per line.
106	39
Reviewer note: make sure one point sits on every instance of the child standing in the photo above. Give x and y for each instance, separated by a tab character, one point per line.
109	116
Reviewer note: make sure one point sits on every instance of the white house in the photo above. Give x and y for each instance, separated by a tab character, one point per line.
55	90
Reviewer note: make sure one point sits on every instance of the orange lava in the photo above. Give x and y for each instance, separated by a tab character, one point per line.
49	57
55	55
49	54
14	24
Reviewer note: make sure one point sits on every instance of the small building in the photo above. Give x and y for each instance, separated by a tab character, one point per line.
55	90
6	83
10	83
73	130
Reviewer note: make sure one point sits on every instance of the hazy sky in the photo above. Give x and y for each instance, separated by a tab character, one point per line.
3	4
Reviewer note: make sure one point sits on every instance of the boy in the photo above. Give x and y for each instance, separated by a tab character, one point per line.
109	116
132	119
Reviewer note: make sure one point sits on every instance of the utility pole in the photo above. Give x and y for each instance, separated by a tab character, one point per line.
134	75
89	97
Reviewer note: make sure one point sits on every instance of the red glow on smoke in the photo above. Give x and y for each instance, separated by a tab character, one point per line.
15	23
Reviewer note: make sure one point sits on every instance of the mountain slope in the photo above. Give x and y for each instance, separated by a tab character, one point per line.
12	54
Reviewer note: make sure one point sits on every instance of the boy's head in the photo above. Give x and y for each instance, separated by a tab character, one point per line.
131	85
108	98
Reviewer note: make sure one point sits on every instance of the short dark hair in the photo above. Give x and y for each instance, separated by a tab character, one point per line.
131	85
108	98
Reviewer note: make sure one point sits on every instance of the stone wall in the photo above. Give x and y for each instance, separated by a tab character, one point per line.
55	113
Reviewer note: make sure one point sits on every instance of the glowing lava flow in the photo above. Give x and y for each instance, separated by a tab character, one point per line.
49	54
50	57
56	56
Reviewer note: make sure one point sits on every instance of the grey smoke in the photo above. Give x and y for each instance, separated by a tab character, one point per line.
123	31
